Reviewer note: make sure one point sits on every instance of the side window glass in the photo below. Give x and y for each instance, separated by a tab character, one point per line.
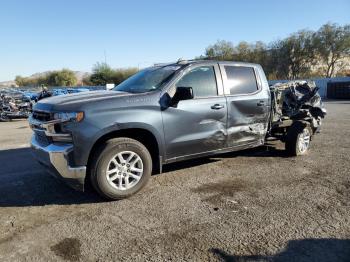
202	80
241	80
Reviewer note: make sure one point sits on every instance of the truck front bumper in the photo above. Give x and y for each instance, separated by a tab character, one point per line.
55	158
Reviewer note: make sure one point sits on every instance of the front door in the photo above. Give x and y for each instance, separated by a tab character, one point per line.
197	125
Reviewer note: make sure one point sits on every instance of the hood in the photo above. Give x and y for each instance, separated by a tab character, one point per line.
76	101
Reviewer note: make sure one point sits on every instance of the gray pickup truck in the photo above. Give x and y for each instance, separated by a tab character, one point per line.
168	113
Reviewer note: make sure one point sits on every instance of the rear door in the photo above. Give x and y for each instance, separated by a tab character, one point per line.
248	104
197	125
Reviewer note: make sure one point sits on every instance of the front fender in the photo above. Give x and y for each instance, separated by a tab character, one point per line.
84	144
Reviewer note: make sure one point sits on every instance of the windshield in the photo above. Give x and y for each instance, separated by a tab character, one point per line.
148	79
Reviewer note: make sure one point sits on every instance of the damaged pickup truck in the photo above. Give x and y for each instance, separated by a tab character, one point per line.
168	113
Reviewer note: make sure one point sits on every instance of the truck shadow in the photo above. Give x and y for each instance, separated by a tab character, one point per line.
267	150
23	182
304	250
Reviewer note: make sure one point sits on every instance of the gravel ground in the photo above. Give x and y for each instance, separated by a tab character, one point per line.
255	205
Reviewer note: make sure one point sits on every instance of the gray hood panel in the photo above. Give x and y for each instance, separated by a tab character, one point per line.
76	101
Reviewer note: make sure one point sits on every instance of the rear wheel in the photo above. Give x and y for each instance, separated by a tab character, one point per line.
298	138
120	168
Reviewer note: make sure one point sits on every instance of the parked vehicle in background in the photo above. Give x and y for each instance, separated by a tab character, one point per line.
65	91
45	93
32	96
13	107
59	92
76	90
168	113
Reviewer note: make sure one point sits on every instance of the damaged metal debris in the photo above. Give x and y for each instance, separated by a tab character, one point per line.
296	100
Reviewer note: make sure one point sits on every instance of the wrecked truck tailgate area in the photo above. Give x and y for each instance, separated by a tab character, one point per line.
296	100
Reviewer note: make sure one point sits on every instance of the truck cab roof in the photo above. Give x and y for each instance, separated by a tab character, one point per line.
202	61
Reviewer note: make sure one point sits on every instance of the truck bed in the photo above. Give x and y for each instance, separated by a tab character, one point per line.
293	101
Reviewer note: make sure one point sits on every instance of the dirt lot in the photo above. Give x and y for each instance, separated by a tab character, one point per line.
255	205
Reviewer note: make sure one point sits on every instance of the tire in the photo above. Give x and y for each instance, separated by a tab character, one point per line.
4	117
298	138
123	180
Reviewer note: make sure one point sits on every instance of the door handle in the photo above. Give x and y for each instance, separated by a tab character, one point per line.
217	106
261	103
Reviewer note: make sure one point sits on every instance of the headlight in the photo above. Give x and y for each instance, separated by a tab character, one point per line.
69	116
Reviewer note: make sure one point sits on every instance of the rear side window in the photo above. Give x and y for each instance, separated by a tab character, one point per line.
241	80
202	80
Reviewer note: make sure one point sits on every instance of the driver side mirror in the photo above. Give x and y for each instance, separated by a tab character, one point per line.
182	93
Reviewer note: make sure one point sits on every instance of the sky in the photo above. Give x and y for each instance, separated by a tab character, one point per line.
42	35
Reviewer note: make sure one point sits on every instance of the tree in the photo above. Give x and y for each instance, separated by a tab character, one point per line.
25	81
332	44
221	50
301	55
120	74
278	61
86	81
65	77
261	54
243	52
41	80
102	74
20	81
297	53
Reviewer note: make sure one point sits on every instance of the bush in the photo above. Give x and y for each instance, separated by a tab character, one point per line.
103	74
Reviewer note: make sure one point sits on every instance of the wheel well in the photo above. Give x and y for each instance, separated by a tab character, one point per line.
143	136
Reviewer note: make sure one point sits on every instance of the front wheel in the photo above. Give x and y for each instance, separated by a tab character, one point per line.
298	138
120	168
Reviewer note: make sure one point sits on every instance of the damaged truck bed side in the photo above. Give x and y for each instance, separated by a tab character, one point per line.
296	114
167	113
